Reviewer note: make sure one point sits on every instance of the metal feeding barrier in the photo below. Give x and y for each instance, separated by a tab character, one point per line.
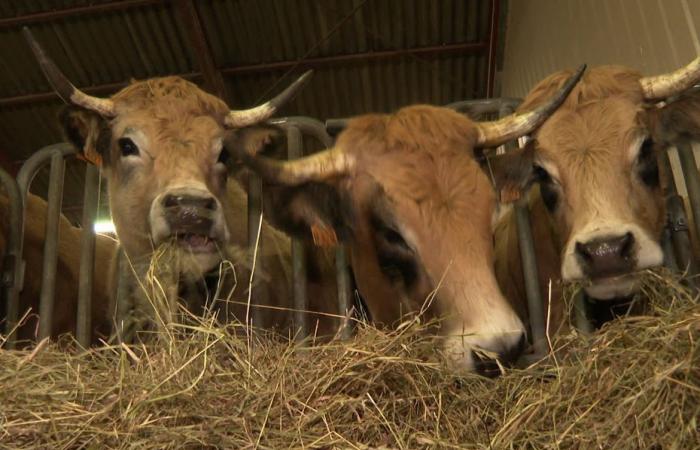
675	240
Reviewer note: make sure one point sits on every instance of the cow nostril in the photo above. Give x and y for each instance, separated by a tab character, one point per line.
490	367
171	200
210	204
584	251
627	245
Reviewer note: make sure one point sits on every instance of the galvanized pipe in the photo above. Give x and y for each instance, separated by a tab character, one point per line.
299	275
692	180
87	256
583	324
124	328
48	274
12	275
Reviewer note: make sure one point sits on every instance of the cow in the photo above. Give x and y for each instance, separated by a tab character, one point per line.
67	274
406	193
598	207
160	145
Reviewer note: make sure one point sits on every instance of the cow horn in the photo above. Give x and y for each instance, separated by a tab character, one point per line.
320	166
64	88
246	117
663	86
492	134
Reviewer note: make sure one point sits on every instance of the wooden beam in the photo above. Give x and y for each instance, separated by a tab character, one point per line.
213	80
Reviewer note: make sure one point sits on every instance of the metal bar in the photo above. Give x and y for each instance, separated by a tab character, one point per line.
308	63
11	277
48	274
474	108
583	324
64	13
87	256
692	180
494	13
670	260
201	50
317	129
344	291
299	276
123	300
259	294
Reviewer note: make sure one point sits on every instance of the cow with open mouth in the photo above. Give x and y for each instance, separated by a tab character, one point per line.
160	142
598	210
408	195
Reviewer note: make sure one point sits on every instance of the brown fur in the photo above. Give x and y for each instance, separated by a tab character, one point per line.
180	125
68	265
587	143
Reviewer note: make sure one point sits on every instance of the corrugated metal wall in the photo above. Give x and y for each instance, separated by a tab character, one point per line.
544	36
652	36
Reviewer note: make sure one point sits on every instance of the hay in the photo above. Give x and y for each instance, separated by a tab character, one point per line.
635	384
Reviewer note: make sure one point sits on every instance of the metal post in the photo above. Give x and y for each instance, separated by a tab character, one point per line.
583	324
294	151
53	215
11	279
692	180
123	298
317	129
259	295
343	280
87	256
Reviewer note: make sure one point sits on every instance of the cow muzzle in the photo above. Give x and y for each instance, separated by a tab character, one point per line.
192	218
609	259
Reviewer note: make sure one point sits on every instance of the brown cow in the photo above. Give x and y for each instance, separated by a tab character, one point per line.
67	273
160	142
599	210
416	208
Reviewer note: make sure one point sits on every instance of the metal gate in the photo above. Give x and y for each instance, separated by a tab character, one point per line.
675	240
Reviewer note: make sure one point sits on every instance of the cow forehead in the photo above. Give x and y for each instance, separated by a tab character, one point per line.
157	94
597	134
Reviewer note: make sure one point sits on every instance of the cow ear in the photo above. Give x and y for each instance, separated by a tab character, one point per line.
88	132
678	120
511	173
313	211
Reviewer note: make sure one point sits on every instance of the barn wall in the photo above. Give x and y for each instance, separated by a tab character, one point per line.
653	36
543	36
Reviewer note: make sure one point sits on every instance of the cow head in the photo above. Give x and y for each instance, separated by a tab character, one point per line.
596	162
409	196
160	142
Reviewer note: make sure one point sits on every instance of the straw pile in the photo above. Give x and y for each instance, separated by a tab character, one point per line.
635	384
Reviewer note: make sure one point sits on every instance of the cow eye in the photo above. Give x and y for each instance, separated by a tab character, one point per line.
648	167
224	156
127	147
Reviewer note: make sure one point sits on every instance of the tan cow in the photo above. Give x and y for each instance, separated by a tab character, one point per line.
67	273
599	209
160	142
416	209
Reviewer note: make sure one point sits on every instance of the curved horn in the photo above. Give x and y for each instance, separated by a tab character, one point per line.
492	134
246	117
663	86
320	166
64	88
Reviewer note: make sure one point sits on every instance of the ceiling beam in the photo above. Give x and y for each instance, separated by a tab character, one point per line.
308	63
47	16
213	81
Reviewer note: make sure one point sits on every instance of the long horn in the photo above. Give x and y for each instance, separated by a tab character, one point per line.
64	88
320	166
669	84
492	134
246	117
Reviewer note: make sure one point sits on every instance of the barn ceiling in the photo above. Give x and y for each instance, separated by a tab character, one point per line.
368	56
